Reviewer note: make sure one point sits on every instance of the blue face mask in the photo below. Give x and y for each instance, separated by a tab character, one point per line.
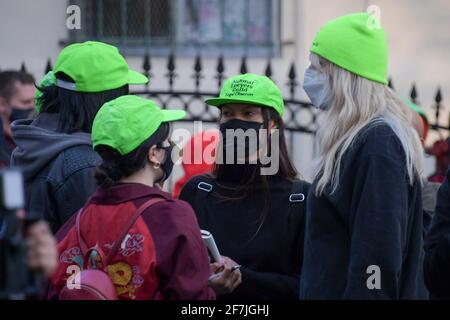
317	87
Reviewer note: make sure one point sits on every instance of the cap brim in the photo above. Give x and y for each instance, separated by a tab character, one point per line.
135	77
172	115
217	102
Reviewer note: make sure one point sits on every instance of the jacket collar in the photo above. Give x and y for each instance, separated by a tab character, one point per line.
125	192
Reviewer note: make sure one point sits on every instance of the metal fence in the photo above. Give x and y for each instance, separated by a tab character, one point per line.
300	117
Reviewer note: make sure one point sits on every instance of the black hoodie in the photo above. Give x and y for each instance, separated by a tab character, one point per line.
58	168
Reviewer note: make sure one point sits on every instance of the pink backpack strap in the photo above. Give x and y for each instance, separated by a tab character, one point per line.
84	247
128	226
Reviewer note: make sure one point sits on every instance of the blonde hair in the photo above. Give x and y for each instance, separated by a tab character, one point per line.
356	102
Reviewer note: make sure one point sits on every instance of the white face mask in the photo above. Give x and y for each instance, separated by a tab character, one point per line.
317	87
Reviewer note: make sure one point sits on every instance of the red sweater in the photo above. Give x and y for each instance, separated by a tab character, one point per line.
162	256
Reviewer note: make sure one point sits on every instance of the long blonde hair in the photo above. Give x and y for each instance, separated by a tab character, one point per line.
356	102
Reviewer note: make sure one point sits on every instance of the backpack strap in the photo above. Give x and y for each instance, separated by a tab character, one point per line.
205	188
297	195
127	227
84	247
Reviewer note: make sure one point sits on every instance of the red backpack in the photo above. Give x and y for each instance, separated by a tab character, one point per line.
95	284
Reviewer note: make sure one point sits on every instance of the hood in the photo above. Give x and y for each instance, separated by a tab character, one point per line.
38	143
194	150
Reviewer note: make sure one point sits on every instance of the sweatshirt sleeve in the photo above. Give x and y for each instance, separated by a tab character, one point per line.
437	246
378	223
182	260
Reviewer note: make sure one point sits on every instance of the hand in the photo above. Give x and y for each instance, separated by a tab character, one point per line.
225	278
42	251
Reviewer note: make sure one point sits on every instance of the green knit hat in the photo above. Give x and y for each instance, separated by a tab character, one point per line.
357	43
126	122
250	88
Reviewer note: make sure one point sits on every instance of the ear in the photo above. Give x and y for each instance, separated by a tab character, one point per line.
154	156
272	124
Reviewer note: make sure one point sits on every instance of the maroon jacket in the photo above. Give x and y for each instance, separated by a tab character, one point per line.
162	256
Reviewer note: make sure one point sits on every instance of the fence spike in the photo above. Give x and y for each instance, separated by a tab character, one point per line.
413	93
146	65
292	83
438	96
171	69
48	67
220	70
244	65
268	71
197	71
390	83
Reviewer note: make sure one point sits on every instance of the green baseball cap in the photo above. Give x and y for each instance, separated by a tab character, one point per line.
126	122
95	66
48	80
250	89
357	43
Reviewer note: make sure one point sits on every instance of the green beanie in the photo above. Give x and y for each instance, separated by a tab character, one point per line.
357	43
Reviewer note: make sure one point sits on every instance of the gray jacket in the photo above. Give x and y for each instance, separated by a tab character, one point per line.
58	168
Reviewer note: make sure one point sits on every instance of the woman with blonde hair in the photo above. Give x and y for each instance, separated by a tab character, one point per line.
363	237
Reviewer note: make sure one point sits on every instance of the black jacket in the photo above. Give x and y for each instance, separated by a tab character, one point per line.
437	246
373	219
58	168
272	259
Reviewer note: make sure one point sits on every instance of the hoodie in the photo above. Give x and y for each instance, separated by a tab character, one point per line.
194	159
58	168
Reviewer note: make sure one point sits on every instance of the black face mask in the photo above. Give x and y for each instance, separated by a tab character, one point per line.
241	168
17	114
167	165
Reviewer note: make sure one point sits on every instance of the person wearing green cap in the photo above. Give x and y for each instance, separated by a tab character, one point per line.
255	214
162	256
54	149
363	237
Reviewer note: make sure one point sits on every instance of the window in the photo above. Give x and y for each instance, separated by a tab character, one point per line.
188	27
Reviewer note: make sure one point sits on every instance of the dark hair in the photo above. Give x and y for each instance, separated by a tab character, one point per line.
286	170
9	78
76	110
116	166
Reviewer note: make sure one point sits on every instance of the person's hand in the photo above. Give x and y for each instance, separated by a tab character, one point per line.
42	252
226	276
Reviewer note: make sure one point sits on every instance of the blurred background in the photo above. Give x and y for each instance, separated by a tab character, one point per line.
188	47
